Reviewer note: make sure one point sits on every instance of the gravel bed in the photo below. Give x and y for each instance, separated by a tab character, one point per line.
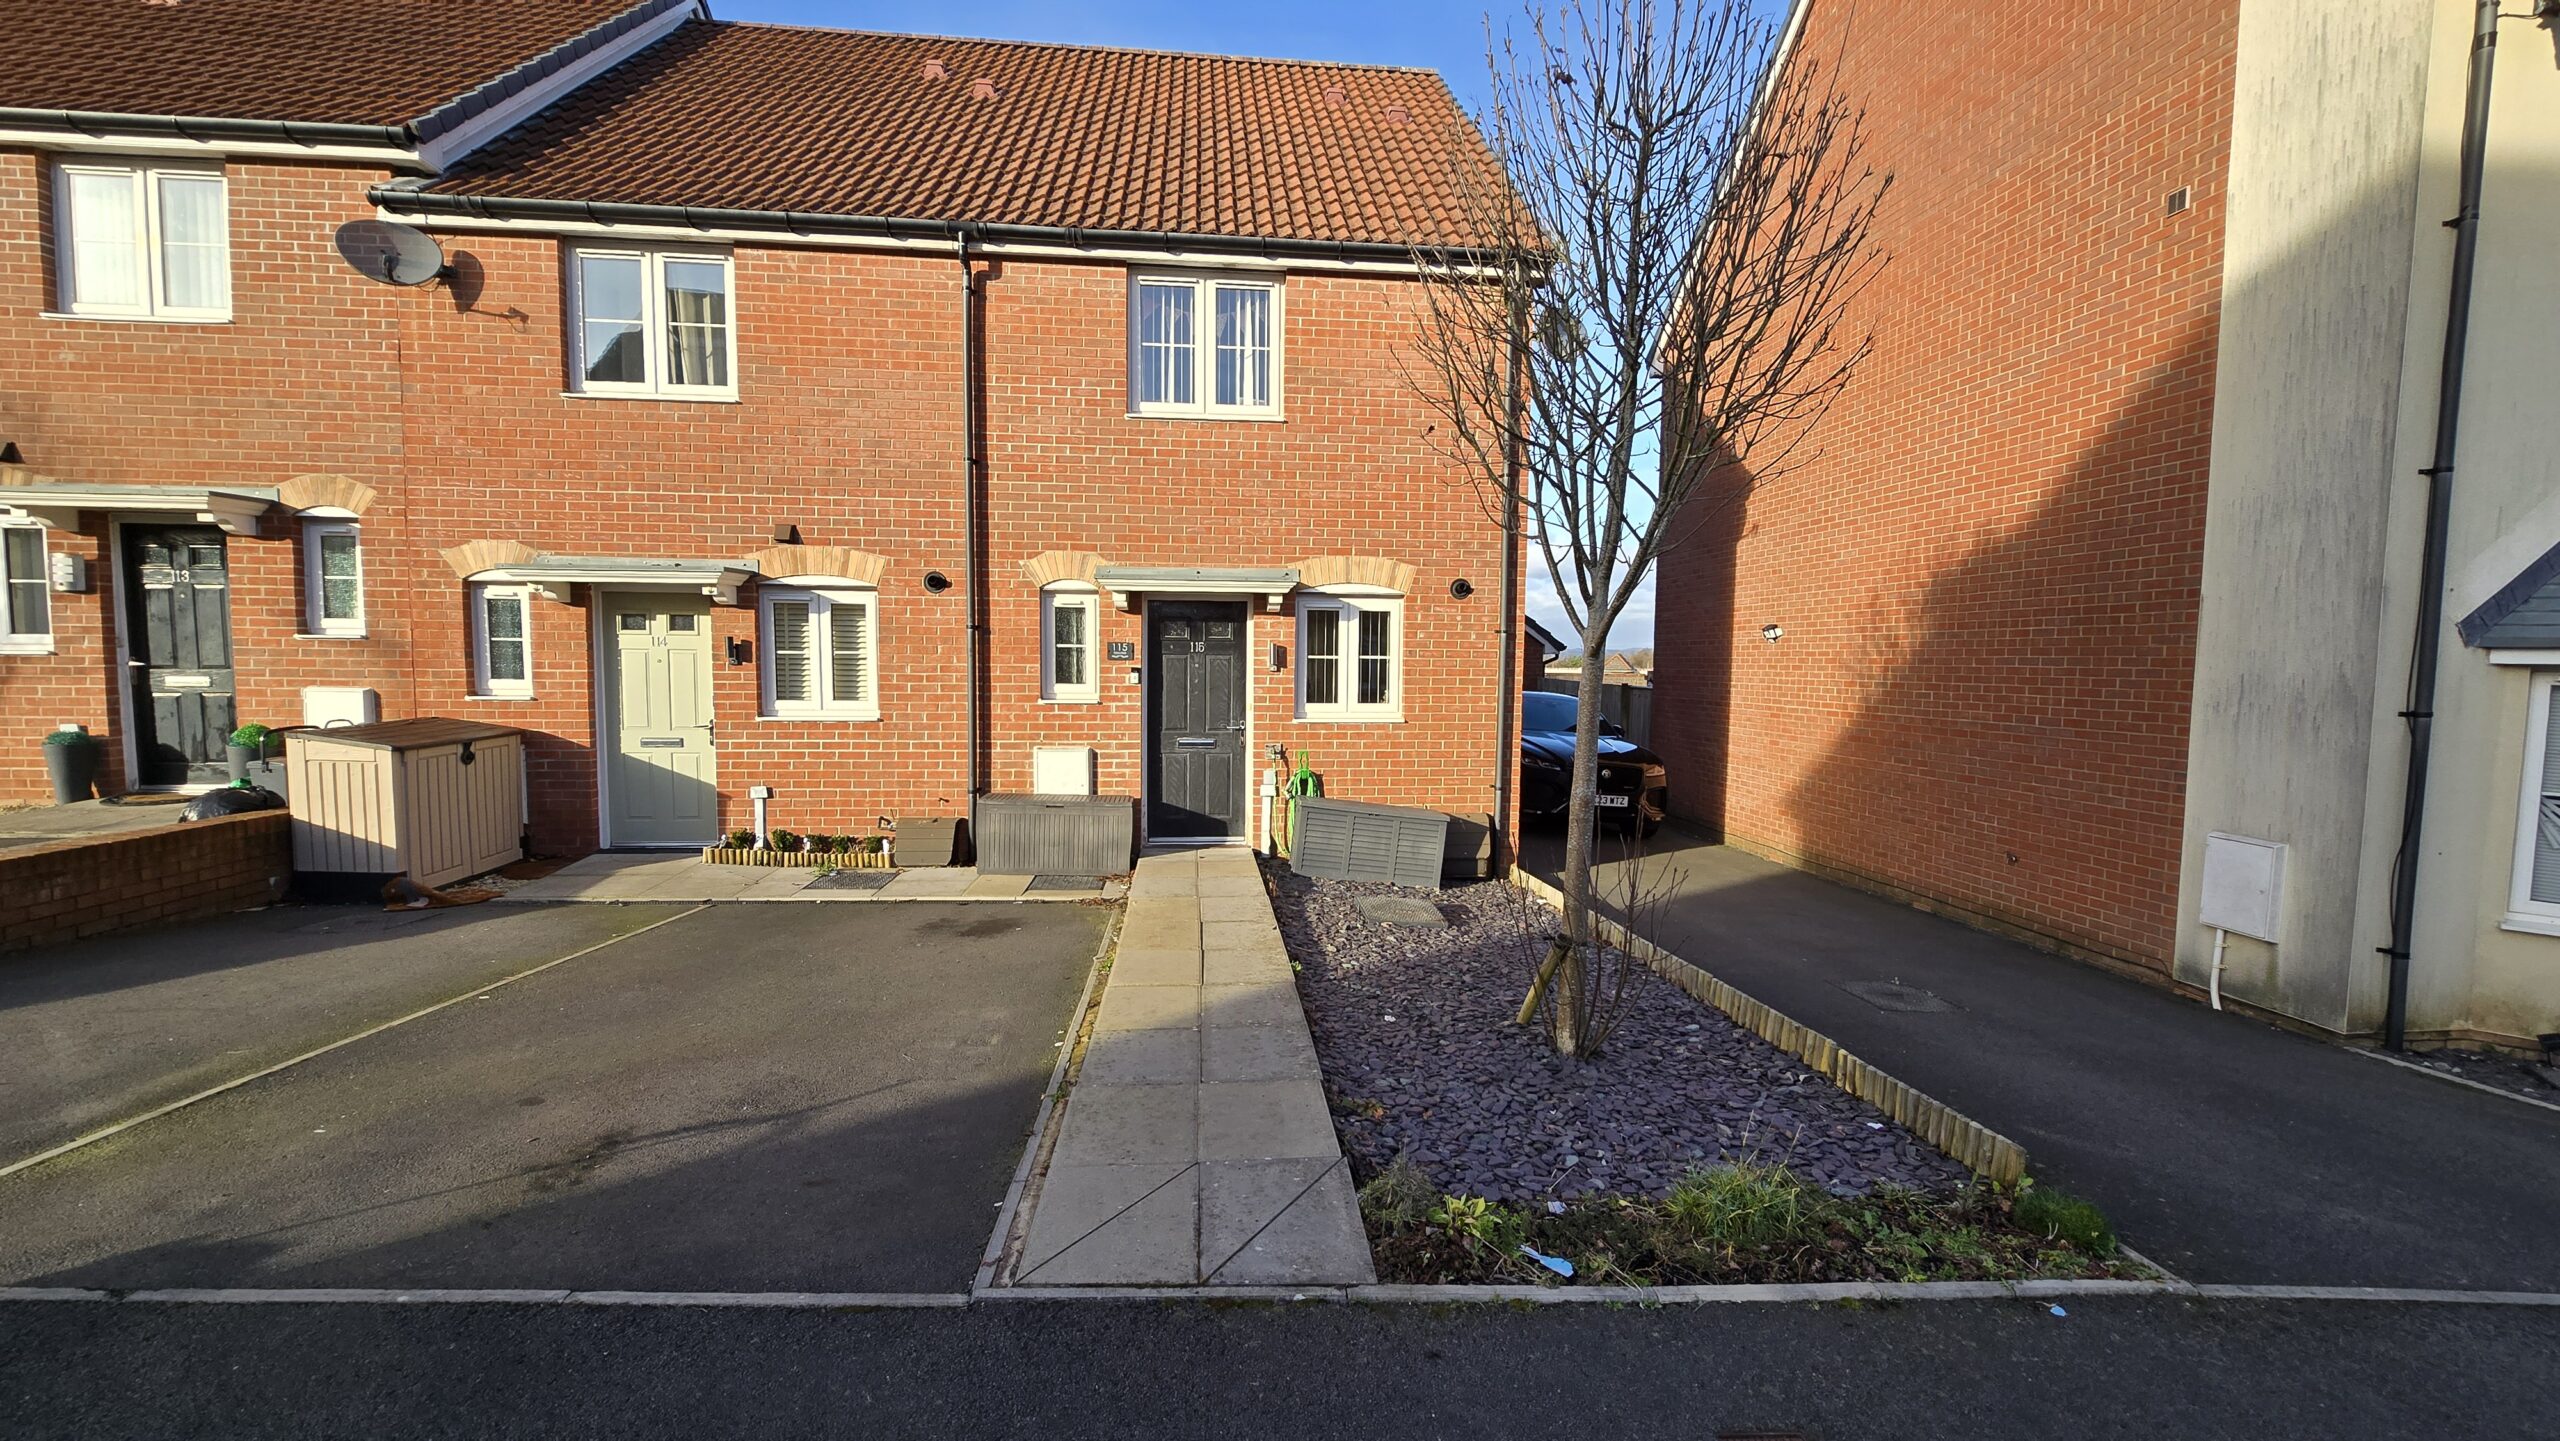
1411	1026
2504	1073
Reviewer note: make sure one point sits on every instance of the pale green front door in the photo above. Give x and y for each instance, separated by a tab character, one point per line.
660	790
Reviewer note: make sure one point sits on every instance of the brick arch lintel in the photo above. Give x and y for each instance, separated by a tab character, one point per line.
474	556
1050	567
341	492
1316	572
838	562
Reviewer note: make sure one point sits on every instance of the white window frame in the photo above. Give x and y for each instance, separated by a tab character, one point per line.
1071	596
822	598
1205	284
1349	602
314	619
154	305
2524	913
26	642
483	685
653	323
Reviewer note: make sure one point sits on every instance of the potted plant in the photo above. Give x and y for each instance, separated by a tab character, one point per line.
248	747
71	763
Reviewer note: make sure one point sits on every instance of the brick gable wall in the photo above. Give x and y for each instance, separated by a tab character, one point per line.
1987	575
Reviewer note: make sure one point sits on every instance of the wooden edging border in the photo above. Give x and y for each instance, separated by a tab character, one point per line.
1980	1149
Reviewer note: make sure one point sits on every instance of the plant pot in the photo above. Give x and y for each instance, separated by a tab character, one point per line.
73	771
241	758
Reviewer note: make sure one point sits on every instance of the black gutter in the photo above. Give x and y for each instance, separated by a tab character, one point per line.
408	200
2422	673
100	125
973	507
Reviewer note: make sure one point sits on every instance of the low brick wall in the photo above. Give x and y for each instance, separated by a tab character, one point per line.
69	890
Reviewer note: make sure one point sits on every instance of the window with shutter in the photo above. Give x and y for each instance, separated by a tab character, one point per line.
820	654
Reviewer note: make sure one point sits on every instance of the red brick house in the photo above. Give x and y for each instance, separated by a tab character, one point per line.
2092	615
866	417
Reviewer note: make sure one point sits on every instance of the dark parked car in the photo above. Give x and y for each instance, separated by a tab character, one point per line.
1632	785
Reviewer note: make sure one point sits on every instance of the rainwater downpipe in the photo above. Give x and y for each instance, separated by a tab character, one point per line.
971	577
2420	715
1506	759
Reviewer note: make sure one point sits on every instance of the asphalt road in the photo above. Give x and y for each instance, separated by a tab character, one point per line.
2224	1148
2145	1369
751	1097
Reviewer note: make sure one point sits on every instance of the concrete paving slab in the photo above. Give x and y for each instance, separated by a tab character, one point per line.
1114	1226
997	887
1229	861
1251	908
1122	1125
1158	923
1270	1003
1281	1223
1257	1053
1166	967
1231	885
1129	1007
1241	935
1265	1120
930	881
1141	1058
778	884
1242	966
1153	884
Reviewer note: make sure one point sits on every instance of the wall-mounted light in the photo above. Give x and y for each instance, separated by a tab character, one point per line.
1771	633
739	654
935	582
1279	656
1461	588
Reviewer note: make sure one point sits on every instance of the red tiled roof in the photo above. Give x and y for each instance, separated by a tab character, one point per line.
780	118
343	62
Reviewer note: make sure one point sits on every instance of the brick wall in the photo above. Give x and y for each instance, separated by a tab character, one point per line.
72	890
1987	576
449	401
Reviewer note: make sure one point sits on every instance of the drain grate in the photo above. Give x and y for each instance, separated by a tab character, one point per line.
1064	883
851	880
1894	996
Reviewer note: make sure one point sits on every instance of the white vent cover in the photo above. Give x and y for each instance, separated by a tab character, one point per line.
2243	886
1062	770
340	705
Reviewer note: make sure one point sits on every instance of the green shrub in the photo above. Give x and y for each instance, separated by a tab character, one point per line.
782	840
742	840
69	738
1399	1197
2063	1217
820	842
252	735
1744	1205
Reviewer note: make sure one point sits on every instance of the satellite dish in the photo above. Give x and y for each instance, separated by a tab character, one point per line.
391	253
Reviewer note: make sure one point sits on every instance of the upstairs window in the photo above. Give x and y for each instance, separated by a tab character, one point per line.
332	578
650	322
819	648
26	612
1204	345
1350	657
143	242
1067	624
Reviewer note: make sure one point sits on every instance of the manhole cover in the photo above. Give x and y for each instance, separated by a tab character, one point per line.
1400	911
1894	996
851	880
1063	883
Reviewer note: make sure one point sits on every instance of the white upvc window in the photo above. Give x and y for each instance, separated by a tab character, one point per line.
1350	657
1070	617
139	241
820	652
502	640
2533	902
332	578
651	322
1204	345
26	613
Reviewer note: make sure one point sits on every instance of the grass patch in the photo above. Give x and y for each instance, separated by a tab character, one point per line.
1738	1224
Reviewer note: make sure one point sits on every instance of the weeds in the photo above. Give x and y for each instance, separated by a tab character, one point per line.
1744	1223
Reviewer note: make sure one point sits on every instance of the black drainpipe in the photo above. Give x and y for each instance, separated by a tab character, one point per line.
972	573
2439	473
1506	756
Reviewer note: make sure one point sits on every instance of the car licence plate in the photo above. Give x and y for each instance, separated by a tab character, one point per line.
1606	802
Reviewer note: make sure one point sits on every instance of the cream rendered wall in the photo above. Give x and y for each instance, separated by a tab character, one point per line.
2469	977
2326	117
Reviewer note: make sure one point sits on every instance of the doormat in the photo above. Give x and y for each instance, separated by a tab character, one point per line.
1063	883
147	798
850	880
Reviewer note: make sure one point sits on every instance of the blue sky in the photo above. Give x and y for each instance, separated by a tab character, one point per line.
1443	36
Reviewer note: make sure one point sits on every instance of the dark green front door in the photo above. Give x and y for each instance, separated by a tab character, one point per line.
1195	719
177	588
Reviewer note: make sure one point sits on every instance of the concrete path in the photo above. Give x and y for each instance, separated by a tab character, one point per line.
1196	1147
80	820
666	876
2223	1148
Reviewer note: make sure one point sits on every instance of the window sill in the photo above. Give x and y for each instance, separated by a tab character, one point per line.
683	397
1396	719
331	635
837	718
1252	416
21	647
135	319
1071	700
477	696
2530	925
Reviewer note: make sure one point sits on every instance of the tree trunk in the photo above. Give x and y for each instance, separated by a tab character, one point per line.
1572	983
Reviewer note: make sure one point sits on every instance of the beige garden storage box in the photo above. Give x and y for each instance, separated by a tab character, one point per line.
434	799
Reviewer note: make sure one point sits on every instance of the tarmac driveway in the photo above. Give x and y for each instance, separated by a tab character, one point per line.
737	1098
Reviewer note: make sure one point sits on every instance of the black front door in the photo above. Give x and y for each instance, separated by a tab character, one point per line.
178	633
1195	719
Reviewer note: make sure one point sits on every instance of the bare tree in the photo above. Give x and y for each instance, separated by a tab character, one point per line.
1649	317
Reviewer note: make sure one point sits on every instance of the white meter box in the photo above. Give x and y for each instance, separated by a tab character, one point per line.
2243	885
